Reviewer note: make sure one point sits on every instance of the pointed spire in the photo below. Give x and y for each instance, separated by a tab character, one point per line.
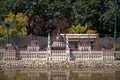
30	38
48	40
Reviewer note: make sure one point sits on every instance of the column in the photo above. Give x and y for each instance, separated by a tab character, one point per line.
67	49
113	54
49	49
30	38
48	41
97	41
67	43
90	55
101	55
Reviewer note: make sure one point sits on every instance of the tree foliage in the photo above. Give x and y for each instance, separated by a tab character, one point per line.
19	27
48	15
78	29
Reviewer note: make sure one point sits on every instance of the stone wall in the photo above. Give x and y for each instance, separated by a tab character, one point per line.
59	64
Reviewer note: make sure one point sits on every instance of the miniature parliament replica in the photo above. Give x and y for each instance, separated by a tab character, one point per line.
59	49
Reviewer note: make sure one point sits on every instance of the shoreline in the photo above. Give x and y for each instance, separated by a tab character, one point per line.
59	64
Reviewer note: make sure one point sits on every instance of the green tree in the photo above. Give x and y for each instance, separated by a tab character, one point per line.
48	11
2	33
87	12
97	14
107	18
19	29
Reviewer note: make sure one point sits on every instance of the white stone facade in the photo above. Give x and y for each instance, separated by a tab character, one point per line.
84	52
65	55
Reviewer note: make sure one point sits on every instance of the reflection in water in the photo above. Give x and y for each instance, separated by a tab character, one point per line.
81	74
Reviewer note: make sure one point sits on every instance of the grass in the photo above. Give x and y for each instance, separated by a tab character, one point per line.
1	56
117	56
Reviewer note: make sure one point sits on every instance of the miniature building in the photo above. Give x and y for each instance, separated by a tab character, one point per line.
33	51
84	45
10	52
58	42
58	49
85	51
33	46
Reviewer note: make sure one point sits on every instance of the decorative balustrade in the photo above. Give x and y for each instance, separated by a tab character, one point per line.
41	55
108	54
10	52
59	55
93	55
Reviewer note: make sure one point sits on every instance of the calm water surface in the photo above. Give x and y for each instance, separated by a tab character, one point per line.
76	74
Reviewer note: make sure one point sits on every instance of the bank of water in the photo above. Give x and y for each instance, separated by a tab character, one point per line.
59	70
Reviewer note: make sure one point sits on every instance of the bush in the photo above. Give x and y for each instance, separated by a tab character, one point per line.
1	56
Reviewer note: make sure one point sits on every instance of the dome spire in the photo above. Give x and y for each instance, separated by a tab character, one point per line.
58	42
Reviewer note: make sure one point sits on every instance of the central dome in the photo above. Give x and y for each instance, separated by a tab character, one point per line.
58	42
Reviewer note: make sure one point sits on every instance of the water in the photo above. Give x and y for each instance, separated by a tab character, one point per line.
76	74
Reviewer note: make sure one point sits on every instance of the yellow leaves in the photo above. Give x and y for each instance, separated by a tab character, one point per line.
19	21
18	17
91	31
21	18
1	30
78	29
10	17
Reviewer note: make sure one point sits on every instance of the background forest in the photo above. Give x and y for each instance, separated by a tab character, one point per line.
41	17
